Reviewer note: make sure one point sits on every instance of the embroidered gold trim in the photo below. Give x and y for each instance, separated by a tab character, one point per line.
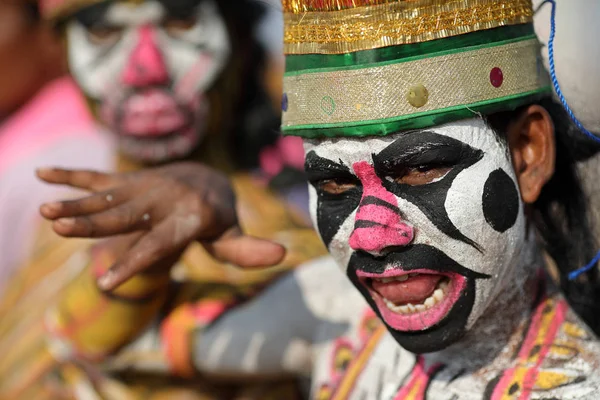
340	98
395	23
300	6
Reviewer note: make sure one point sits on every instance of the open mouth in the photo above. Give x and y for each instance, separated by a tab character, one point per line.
413	300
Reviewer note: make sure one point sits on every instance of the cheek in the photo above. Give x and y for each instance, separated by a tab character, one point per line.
336	241
96	69
197	57
483	202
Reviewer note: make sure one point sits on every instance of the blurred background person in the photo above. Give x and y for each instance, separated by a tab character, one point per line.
181	88
43	120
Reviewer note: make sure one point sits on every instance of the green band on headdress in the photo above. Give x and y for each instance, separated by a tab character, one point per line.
383	90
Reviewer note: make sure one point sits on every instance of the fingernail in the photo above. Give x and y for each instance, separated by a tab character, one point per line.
105	280
52	206
66	222
41	171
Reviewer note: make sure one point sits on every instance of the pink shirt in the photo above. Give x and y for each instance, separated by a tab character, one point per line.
54	129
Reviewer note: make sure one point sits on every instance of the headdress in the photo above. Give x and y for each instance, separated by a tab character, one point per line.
375	67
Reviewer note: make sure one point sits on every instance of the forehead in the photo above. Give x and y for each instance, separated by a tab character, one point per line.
474	132
128	12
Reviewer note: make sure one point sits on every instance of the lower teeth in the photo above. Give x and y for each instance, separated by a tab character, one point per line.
407	309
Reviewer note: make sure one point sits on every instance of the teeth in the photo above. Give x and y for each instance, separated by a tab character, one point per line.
394	279
430	302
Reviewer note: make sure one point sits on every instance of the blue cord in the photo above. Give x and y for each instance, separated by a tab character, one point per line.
561	97
575	274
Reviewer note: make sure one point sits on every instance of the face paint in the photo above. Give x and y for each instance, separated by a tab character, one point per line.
146	67
427	224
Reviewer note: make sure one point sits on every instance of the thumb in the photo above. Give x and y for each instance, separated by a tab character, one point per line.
245	251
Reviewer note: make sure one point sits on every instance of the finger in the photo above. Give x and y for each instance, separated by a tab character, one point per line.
81	179
156	246
128	217
86	206
246	251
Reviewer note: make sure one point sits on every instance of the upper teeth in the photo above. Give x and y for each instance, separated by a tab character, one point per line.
436	297
395	278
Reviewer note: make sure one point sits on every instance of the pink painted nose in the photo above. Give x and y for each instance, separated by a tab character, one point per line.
145	66
378	224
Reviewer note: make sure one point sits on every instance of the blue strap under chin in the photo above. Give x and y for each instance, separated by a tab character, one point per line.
573	275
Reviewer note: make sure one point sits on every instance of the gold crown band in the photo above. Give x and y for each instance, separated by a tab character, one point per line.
396	23
401	90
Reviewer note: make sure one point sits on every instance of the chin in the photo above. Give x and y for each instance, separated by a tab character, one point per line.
156	150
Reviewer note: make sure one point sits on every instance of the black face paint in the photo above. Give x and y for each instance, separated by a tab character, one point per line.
500	201
427	149
332	211
414	257
180	9
93	16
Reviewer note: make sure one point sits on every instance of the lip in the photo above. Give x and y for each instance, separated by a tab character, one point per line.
421	320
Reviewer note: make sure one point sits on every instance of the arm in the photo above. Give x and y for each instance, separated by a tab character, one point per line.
274	334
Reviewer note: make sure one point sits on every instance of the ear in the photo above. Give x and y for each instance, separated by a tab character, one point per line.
533	149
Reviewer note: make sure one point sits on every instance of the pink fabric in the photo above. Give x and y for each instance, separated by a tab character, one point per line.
58	108
55	129
287	151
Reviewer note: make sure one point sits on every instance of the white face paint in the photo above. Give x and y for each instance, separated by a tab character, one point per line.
147	68
428	224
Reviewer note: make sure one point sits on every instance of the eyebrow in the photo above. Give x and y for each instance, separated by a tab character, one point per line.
93	15
180	8
419	147
322	168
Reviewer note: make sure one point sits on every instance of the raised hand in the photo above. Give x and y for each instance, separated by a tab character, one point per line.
162	210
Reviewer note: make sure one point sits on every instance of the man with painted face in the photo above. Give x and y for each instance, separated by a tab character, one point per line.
173	80
441	172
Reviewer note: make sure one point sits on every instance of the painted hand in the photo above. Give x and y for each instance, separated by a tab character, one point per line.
162	211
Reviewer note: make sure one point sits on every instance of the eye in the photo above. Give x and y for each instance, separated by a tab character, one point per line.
336	186
420	175
104	34
176	26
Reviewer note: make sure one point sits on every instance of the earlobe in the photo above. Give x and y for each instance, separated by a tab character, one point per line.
533	148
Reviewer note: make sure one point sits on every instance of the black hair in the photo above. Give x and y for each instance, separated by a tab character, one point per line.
561	214
257	122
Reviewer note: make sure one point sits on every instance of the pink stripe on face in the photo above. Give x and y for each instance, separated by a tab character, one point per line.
146	65
378	210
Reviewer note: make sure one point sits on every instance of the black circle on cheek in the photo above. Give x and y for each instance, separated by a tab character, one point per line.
500	201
